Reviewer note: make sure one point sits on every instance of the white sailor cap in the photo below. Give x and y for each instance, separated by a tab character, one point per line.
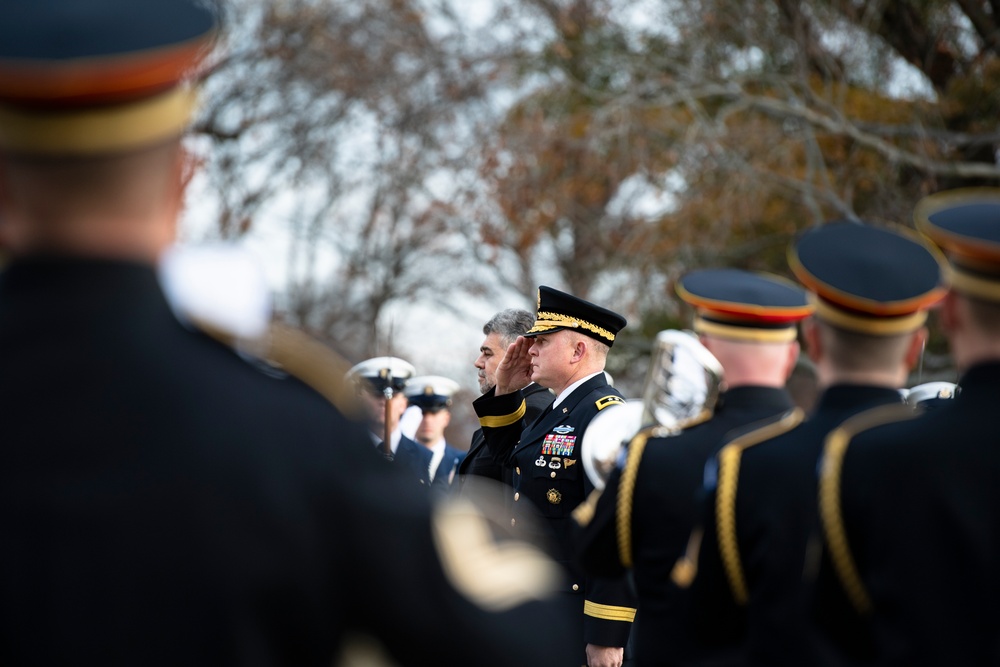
382	372
431	392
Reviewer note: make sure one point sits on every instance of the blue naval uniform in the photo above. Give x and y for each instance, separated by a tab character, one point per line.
548	484
414	457
447	468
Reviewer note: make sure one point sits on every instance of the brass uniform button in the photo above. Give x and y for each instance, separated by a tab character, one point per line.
552	475
517	496
517	470
576	587
513	522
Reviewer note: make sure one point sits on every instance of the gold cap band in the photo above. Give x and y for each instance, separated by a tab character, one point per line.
92	131
874	326
744	333
548	321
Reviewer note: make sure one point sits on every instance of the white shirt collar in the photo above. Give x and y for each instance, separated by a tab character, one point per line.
437	453
569	390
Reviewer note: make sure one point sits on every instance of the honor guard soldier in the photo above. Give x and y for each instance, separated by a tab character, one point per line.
909	503
564	351
162	500
871	288
432	395
645	516
381	387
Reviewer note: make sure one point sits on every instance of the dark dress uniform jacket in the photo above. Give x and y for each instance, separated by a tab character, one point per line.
921	503
479	461
414	458
447	468
549	482
163	502
777	536
665	509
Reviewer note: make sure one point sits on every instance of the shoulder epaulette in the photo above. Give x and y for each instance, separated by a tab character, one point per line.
830	508
725	498
606	401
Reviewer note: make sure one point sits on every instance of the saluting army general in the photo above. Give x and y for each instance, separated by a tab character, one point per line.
564	351
872	288
645	515
909	504
162	500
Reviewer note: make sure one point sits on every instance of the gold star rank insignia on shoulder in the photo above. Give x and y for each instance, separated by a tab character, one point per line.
602	403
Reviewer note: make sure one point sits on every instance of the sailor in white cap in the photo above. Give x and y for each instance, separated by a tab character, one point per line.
380	384
432	394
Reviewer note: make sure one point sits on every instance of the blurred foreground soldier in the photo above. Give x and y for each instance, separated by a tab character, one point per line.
872	288
381	384
163	501
501	330
565	351
909	504
647	512
432	394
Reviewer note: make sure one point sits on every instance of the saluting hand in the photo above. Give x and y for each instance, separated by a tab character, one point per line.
514	371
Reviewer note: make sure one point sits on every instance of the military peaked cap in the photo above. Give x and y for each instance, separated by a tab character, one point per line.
559	310
383	372
431	392
98	76
742	305
868	279
966	225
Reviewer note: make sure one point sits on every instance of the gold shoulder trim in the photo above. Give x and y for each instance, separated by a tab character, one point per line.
626	491
725	497
830	510
607	401
608	612
504	420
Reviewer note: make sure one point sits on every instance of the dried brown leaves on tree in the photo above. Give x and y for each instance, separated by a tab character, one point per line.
637	140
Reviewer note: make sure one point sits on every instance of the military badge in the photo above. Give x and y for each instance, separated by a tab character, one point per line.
563	430
553	496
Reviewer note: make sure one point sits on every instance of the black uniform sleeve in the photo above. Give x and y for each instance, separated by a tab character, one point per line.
501	420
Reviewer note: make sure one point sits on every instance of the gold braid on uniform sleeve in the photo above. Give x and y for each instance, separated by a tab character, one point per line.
725	498
830	506
626	491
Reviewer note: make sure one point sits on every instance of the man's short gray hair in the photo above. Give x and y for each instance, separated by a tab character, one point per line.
509	324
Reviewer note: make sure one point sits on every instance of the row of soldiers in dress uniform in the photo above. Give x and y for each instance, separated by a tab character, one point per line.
864	532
